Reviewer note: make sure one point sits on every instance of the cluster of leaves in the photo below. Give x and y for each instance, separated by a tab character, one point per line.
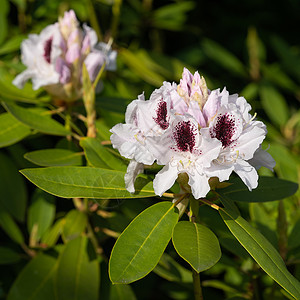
56	248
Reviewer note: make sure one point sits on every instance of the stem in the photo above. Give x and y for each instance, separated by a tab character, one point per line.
196	276
197	286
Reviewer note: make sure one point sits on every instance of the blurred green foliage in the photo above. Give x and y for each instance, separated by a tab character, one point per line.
251	47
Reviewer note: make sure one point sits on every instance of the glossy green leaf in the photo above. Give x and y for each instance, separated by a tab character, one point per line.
171	270
10	227
121	292
35	282
141	245
13	194
78	275
51	236
224	58
41	213
261	250
274	105
10	93
54	157
86	182
8	256
36	119
98	156
196	244
269	189
75	224
4	9
11	130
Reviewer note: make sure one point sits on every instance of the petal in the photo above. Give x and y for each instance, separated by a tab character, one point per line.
165	179
22	78
247	173
223	172
93	63
262	158
199	185
133	170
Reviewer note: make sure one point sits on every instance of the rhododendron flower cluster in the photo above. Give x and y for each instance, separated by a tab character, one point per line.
55	57
189	129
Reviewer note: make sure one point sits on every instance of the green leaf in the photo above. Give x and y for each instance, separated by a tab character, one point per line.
13	194
75	224
11	93
141	245
41	213
138	66
223	57
10	227
12	44
172	16
274	105
35	281
36	119
54	157
269	189
11	130
196	244
98	156
171	270
86	182
262	251
8	256
121	292
78	275
51	236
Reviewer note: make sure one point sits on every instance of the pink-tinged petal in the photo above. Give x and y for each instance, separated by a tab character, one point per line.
133	170
93	63
247	173
90	37
73	53
212	105
165	179
195	111
63	69
199	185
262	158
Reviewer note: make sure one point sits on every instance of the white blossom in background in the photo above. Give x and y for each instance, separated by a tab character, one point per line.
191	130
55	57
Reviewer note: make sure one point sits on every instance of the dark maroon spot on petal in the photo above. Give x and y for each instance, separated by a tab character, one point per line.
161	115
47	50
224	129
184	135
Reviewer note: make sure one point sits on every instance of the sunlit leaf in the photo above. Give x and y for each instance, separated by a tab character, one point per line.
140	246
86	182
196	244
261	250
54	157
36	119
11	130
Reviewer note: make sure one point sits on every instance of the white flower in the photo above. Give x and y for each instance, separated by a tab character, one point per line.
193	131
54	58
240	136
182	149
39	54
